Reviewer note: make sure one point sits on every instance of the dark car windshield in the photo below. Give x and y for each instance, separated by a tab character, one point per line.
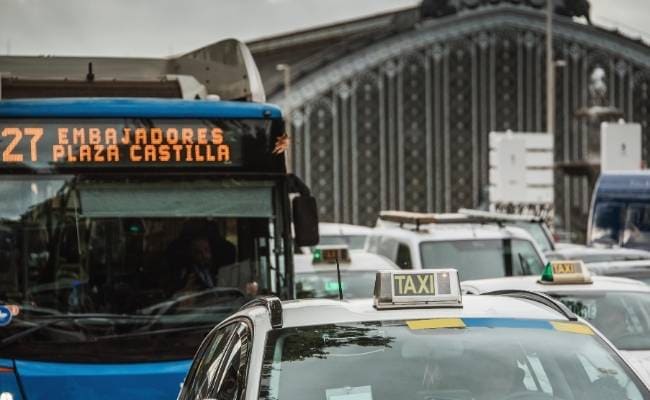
478	259
486	360
624	317
174	253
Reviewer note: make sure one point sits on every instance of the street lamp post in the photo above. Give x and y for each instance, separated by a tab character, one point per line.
286	69
550	70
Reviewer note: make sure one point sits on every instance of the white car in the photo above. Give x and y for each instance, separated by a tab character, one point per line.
639	269
618	307
316	274
420	241
417	339
590	255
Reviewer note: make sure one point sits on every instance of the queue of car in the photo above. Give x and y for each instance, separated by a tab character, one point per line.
516	328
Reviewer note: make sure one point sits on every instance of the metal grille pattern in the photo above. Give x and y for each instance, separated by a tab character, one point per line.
411	132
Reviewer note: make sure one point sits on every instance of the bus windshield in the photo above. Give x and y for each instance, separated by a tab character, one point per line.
624	224
129	264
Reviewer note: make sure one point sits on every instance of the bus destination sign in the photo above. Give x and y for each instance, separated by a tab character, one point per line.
89	145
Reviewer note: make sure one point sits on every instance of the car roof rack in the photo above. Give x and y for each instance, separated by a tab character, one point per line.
497	217
273	306
418	219
536	297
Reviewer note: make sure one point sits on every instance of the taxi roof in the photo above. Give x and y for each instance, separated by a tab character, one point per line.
308	312
334	229
530	283
359	261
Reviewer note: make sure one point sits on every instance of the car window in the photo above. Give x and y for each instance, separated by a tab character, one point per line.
230	383
403	259
624	317
217	368
537	231
525	259
384	246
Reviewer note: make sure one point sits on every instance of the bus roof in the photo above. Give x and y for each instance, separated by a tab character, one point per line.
134	108
618	183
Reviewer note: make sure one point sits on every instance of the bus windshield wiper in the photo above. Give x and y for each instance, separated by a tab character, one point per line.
48	321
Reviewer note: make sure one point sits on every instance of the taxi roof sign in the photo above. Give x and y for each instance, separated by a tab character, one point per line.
330	254
417	289
565	272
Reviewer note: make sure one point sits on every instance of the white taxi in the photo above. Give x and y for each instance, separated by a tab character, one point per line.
417	339
317	275
617	307
478	250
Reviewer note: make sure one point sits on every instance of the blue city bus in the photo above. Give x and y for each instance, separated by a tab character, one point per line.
107	207
620	211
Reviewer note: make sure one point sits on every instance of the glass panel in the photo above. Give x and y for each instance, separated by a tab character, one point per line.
538	233
624	317
403	257
204	367
607	223
387	360
479	259
637	226
150	279
526	260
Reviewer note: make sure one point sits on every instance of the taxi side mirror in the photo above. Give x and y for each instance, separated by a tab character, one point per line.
305	220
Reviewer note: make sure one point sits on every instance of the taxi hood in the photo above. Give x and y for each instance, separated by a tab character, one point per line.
70	381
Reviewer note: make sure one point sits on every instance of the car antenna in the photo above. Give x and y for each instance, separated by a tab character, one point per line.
338	275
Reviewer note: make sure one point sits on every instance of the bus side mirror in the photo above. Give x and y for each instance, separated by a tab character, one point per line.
305	220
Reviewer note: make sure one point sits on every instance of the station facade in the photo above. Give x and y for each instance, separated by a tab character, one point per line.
393	111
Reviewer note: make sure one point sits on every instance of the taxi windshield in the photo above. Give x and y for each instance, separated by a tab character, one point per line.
488	359
479	259
127	262
623	317
324	284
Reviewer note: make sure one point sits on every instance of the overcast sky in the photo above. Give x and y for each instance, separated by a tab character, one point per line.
155	28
